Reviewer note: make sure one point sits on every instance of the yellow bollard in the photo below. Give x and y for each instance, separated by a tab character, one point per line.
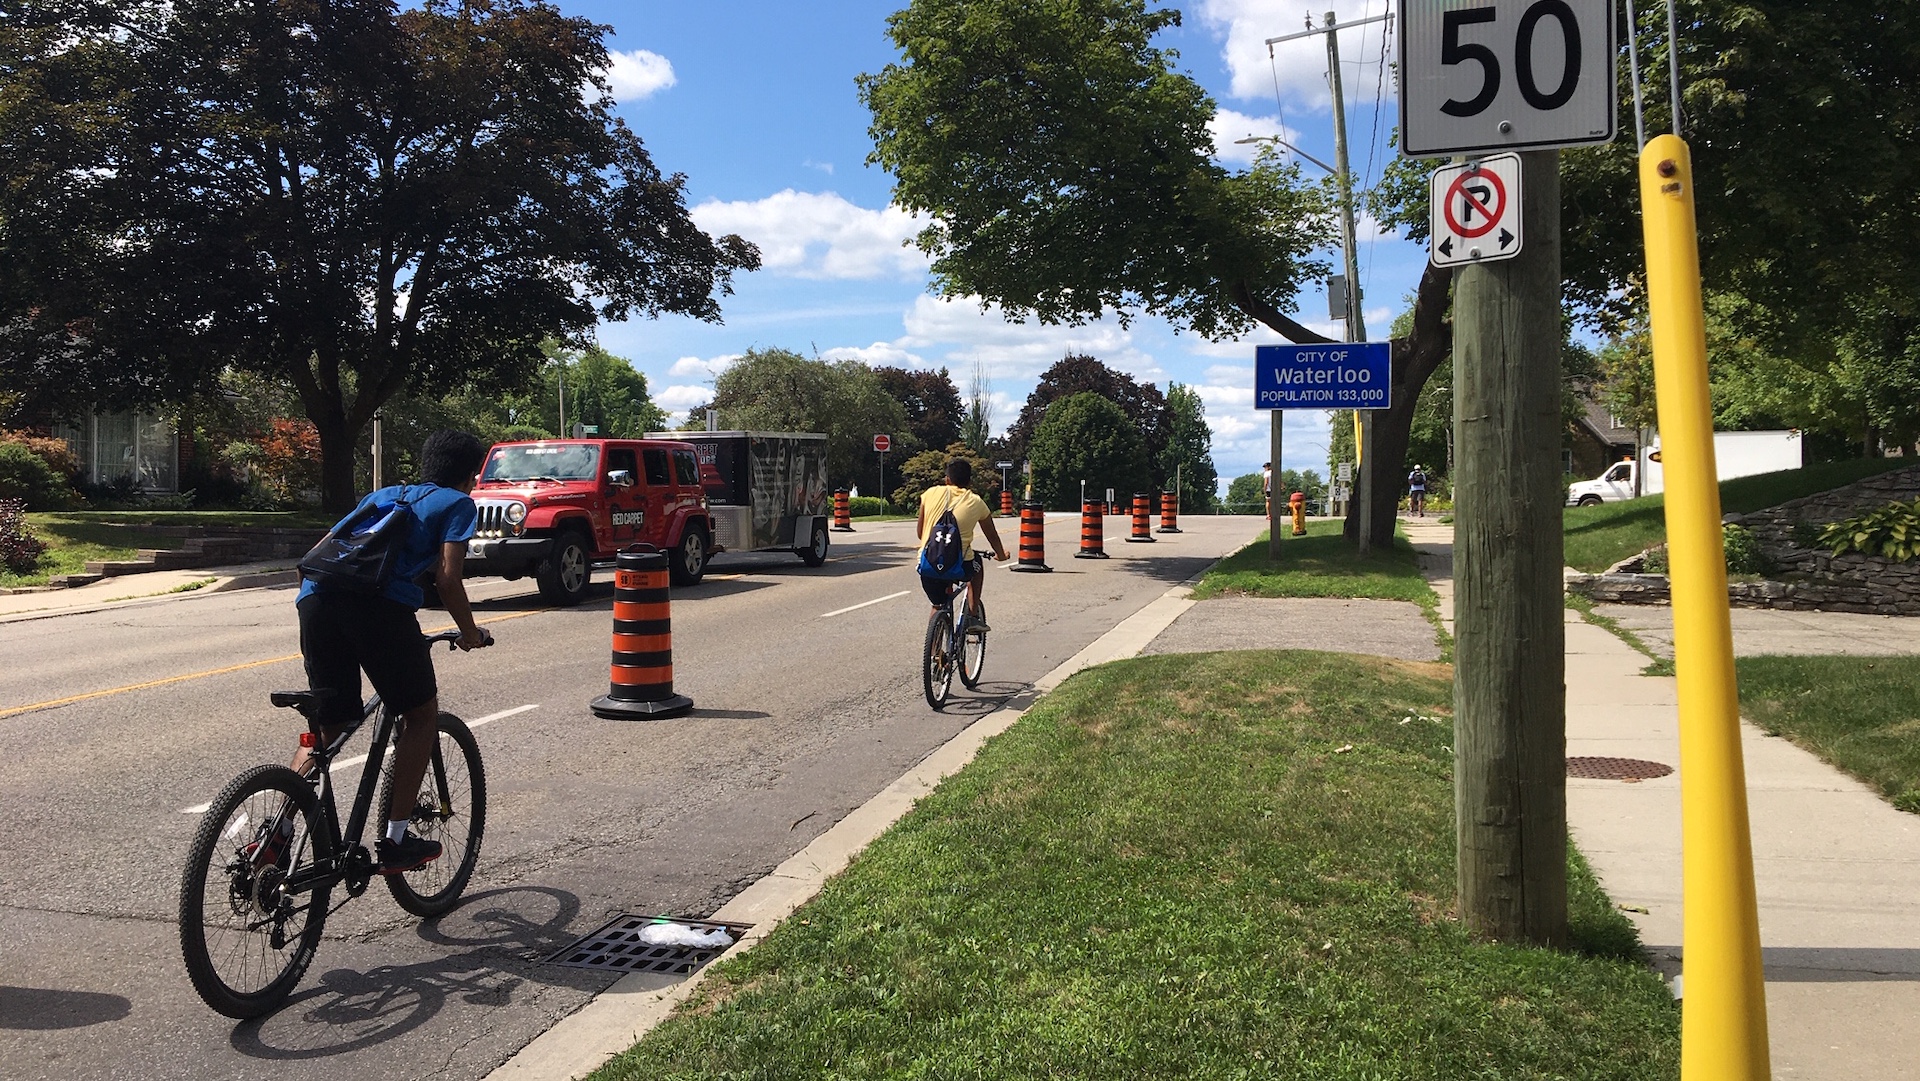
1723	1012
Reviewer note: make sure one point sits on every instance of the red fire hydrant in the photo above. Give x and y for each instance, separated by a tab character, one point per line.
1298	501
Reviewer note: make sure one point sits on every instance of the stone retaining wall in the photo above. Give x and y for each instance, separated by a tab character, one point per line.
271	542
1803	578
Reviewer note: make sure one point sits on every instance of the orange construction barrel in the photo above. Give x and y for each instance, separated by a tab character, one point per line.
642	641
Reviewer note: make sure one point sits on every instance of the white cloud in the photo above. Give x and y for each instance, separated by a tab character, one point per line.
879	354
1300	66
1017	351
1228	125
633	76
821	235
824	166
696	367
680	397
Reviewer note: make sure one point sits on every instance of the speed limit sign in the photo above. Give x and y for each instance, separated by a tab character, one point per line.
1506	75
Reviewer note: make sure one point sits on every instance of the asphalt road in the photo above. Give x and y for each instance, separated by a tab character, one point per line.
144	711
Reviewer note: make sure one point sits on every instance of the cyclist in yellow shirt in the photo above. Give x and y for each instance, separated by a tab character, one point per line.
969	510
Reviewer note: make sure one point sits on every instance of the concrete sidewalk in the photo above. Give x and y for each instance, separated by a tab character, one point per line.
133	588
1836	867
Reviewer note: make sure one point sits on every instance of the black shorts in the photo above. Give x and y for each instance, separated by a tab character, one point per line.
941	590
343	633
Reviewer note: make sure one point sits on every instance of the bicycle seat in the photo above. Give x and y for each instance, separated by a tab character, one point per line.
300	700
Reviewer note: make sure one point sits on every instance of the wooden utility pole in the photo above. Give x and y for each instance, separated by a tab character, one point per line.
1509	679
1364	464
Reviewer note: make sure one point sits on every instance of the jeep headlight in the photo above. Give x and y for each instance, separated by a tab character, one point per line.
516	513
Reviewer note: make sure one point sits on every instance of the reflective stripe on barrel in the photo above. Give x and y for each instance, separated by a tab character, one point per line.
1142	530
1033	538
1092	532
641	676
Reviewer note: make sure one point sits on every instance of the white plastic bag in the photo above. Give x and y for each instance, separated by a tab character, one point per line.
679	934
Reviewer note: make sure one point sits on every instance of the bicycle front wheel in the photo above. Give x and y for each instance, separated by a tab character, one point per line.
246	938
973	656
936	663
451	808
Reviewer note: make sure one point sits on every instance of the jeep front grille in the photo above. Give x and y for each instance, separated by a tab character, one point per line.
492	518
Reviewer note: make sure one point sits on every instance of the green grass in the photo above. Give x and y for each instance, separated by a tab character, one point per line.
1598	537
1203	866
76	538
1860	713
1320	564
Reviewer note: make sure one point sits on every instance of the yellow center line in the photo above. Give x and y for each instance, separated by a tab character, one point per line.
71	699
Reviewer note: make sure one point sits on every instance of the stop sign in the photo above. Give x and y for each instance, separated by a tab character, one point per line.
881	442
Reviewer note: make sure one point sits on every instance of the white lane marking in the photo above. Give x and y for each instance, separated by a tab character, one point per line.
349	763
863	604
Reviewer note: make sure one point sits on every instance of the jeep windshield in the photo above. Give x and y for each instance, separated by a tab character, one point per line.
533	462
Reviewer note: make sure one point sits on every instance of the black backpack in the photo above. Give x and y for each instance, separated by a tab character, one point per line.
940	558
360	556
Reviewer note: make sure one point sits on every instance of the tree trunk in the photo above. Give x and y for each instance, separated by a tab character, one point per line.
338	440
1427	343
1509	679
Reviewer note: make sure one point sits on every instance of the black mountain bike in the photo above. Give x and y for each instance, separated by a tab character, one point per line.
270	851
953	644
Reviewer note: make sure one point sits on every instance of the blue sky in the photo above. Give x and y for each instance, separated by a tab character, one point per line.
756	104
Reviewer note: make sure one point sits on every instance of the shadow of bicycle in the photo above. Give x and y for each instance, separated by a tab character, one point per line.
500	938
989	696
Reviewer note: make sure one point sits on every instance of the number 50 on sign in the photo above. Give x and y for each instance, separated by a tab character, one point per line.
1505	75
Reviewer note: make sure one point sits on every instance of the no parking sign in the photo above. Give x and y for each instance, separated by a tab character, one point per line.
1476	211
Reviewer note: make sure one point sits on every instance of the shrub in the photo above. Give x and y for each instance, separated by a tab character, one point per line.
1743	551
26	477
1892	532
929	468
19	548
866	506
55	452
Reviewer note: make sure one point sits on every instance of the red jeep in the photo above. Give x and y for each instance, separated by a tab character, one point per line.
553	508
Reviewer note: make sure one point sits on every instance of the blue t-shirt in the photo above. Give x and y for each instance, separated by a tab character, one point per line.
447	515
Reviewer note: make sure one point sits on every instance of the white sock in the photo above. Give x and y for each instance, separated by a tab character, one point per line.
397	829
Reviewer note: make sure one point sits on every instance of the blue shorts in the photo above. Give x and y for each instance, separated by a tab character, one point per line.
941	590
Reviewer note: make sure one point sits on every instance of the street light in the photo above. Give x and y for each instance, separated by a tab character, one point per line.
1282	142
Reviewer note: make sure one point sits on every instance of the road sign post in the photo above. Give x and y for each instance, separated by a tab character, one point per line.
880	444
1508	75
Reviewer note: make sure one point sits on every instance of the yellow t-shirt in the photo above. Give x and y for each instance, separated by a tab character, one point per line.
968	509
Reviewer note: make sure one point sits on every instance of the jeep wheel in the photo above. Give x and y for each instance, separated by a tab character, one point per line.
564	574
689	560
1589	500
816	553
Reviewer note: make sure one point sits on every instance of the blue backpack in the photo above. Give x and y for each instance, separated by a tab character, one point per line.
362	554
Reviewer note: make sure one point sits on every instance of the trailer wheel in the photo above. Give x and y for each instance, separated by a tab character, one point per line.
815	553
689	557
1589	500
564	574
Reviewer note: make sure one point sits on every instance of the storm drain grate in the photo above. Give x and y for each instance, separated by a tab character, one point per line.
1616	769
617	947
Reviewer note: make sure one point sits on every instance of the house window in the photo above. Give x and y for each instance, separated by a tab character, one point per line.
1566	461
139	446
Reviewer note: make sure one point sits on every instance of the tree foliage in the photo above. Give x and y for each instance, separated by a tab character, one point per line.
1086	437
932	405
357	199
929	467
778	390
1067	172
1144	407
1246	494
1189	450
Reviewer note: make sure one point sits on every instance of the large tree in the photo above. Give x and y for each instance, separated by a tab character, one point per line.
778	390
1076	373
932	403
357	199
1086	438
1067	172
1189	450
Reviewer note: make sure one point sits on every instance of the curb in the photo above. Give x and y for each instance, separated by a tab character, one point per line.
616	1019
252	579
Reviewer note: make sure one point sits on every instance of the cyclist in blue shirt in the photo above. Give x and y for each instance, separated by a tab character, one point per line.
342	633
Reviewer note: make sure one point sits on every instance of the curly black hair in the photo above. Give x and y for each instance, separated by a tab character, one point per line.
959	472
450	458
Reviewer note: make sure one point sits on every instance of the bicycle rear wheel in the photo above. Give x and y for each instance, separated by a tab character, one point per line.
973	655
936	663
245	938
451	808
